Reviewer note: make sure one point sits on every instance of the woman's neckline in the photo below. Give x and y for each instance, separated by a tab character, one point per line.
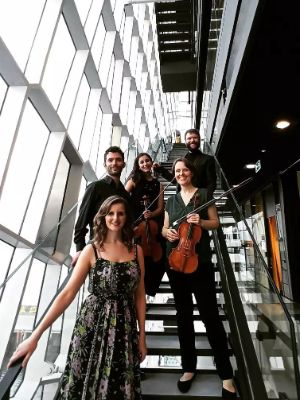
186	198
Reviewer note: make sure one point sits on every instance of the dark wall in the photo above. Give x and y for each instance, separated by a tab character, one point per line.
292	221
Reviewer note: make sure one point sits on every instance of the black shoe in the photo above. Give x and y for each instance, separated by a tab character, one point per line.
184	386
226	394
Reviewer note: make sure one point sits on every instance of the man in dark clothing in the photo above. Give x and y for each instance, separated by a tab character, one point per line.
96	193
204	164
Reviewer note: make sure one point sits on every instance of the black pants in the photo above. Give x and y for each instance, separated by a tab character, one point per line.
154	271
202	284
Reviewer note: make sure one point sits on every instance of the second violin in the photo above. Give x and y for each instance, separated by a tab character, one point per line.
148	230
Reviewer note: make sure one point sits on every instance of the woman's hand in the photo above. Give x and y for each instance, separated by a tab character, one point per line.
147	214
193	219
26	349
172	235
142	347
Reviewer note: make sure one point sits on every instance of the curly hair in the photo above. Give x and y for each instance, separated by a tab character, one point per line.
99	224
136	174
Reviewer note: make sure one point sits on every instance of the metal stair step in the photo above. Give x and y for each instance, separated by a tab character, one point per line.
170	314
168	344
163	385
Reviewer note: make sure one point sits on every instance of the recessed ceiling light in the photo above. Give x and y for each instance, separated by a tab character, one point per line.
263	150
282	124
250	166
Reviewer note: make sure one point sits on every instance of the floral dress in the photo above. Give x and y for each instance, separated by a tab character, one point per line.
103	359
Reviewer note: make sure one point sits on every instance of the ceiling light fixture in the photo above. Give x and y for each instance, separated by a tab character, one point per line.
282	124
250	166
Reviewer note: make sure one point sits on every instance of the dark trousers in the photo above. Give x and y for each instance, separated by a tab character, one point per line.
202	284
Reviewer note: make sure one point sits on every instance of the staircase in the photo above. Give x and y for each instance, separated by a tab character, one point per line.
162	366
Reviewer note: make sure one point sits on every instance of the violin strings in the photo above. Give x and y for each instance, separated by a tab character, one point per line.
152	202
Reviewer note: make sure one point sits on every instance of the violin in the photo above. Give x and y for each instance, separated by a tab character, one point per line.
147	230
183	258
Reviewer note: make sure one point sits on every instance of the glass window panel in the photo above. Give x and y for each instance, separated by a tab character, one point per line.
106	56
98	42
110	76
89	123
145	33
117	85
131	108
138	73
28	308
59	63
125	100
79	110
54	342
43	184
23	168
52	213
18	25
137	122
96	140
92	19
3	90
119	14
105	142
72	85
134	54
113	3
127	37
122	26
6	253
9	122
83	7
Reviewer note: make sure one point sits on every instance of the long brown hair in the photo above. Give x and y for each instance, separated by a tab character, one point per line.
136	174
100	228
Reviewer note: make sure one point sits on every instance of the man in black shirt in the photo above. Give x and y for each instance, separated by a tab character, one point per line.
96	193
204	164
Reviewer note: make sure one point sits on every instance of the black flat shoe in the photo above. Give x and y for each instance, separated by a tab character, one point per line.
184	386
226	394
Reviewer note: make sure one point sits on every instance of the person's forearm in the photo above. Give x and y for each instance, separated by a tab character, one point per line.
60	304
209	224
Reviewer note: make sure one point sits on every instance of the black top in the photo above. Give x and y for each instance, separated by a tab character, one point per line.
94	196
142	188
205	169
176	208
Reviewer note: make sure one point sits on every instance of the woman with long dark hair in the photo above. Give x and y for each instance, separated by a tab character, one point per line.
148	205
106	348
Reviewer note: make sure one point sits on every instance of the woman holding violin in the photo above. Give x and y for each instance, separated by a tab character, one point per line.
148	206
191	272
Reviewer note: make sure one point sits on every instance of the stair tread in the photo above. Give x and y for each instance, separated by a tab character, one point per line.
168	344
205	386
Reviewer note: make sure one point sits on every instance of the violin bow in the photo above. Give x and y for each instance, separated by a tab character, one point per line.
212	201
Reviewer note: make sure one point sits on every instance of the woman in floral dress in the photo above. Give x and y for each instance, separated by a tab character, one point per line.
106	348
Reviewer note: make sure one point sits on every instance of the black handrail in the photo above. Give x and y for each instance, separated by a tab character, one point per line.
11	374
253	387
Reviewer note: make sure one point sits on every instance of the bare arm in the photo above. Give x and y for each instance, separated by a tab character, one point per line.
130	185
60	304
140	305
